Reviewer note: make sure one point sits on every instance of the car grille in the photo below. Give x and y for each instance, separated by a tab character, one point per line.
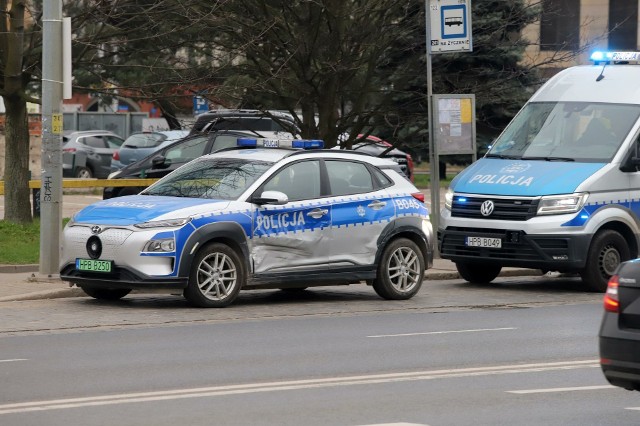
504	208
516	245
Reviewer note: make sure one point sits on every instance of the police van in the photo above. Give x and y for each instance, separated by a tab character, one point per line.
559	189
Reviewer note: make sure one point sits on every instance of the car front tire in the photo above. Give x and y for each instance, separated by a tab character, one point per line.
401	270
217	275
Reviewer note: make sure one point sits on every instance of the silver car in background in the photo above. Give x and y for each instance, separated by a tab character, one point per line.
139	145
87	153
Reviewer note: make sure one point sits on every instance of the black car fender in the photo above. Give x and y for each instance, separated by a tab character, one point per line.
229	233
408	227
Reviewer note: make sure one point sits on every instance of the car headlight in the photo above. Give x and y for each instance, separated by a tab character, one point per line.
163	245
448	198
562	204
169	223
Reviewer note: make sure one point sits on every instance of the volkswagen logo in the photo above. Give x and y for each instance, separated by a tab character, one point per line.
96	229
486	208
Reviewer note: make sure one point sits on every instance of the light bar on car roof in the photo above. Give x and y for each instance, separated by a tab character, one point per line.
599	57
281	143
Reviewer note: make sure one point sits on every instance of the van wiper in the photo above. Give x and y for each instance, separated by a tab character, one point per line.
549	158
503	157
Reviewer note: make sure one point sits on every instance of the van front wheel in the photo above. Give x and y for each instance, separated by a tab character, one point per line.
477	273
608	249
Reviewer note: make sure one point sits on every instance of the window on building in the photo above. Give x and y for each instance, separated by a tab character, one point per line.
560	25
623	25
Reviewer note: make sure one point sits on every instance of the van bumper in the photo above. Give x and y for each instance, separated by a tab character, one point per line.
556	252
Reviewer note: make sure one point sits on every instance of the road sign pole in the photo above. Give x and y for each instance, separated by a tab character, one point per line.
51	190
433	155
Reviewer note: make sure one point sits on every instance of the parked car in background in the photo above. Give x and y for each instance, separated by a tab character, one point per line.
139	145
620	328
162	162
380	148
87	153
245	119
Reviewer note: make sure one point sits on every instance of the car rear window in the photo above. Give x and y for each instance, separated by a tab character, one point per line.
144	140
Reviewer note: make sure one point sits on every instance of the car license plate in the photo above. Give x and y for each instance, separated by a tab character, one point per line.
93	265
483	242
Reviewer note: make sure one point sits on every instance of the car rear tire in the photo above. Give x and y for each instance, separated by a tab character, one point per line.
401	270
608	249
106	293
477	273
84	173
217	275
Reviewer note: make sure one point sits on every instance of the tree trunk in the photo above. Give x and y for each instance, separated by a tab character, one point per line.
16	169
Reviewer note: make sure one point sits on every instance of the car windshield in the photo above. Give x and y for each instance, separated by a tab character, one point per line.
144	140
220	178
566	131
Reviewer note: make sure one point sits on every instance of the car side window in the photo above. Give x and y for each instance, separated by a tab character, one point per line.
183	152
300	181
348	177
113	142
93	141
224	141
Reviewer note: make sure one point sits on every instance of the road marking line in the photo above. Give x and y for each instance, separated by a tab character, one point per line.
13	360
445	332
57	404
573	389
633	408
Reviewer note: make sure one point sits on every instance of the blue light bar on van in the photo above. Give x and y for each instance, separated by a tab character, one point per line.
308	144
600	56
280	143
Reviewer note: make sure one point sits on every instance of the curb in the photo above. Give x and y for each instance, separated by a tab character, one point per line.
17	269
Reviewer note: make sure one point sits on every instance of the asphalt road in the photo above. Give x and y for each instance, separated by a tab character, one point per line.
523	351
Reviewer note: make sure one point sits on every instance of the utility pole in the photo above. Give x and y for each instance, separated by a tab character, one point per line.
51	188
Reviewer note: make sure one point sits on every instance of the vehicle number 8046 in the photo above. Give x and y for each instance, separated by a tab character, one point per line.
483	242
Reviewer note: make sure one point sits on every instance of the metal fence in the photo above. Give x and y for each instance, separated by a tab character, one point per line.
120	123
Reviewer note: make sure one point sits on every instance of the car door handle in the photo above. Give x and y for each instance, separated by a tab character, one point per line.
317	213
377	205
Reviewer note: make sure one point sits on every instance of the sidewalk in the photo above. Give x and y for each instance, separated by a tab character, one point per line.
23	282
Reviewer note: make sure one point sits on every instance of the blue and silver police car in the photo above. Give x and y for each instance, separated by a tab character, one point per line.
259	216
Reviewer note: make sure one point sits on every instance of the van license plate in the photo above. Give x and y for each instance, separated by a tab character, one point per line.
483	242
93	265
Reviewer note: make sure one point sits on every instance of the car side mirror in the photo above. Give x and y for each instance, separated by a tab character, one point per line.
159	162
275	198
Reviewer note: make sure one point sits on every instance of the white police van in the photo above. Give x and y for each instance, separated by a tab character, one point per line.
255	218
559	189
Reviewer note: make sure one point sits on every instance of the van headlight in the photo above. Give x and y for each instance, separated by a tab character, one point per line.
448	198
562	204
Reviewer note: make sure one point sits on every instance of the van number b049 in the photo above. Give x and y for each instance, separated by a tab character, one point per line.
483	242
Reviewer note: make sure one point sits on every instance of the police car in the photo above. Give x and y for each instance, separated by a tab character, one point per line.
257	216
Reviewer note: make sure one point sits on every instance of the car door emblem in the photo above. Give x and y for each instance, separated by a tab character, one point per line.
361	211
487	208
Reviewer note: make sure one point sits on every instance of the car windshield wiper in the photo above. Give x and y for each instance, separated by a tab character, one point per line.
503	157
549	158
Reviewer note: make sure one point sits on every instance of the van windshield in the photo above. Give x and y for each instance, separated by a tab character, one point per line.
566	131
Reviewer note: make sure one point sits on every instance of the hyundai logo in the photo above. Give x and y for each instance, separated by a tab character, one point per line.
486	208
96	229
